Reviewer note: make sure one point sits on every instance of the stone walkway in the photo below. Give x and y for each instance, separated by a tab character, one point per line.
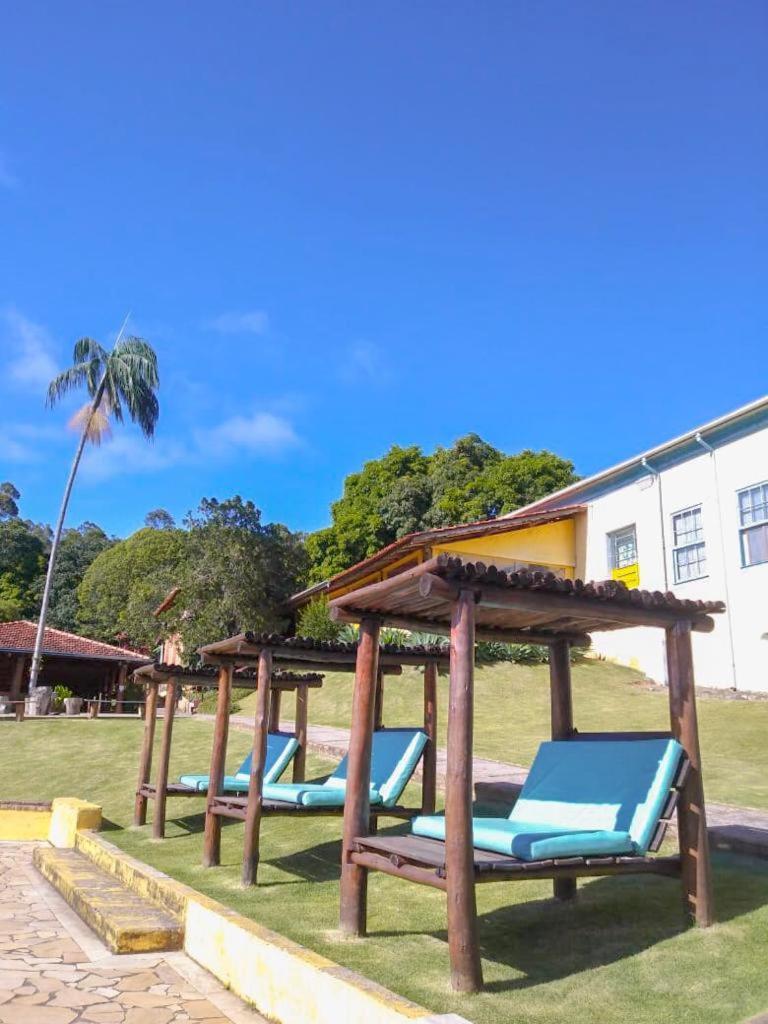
53	970
740	829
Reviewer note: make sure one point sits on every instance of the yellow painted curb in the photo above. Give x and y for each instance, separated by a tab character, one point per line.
282	979
23	823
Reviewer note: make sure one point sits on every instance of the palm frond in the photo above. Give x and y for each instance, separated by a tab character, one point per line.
66	381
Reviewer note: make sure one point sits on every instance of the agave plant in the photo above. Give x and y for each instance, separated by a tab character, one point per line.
119	383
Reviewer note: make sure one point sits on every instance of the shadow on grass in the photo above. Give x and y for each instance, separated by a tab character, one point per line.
612	919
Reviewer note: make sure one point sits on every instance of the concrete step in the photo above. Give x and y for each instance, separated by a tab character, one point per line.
124	921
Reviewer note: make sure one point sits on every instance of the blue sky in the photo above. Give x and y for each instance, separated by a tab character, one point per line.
348	225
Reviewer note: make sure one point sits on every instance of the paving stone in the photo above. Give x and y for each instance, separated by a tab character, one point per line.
47	978
146	1015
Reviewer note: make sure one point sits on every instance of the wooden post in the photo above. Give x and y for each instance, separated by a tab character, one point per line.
256	783
121	677
691	812
357	804
17	679
466	969
212	836
161	788
300	725
274	710
145	760
429	761
378	708
561	706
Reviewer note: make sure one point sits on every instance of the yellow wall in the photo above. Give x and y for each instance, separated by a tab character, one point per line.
551	544
17	825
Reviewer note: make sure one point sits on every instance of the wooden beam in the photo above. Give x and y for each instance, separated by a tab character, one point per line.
300	726
696	870
378	708
505	636
212	836
256	783
169	710
122	675
145	758
391	666
17	679
561	713
429	761
274	709
354	877
588	608
464	951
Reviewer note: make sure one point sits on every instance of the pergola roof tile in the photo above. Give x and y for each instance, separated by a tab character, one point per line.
536	607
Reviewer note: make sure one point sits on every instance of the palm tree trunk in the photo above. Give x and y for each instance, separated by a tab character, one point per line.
34	671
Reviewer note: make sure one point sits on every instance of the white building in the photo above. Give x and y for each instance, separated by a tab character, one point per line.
689	516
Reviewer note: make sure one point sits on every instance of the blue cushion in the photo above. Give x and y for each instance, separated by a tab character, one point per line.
581	798
500	835
281	748
394	756
606	785
311	794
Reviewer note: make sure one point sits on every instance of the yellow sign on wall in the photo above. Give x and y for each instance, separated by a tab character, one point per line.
629	575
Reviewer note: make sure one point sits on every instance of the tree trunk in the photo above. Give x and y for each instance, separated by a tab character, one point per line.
34	671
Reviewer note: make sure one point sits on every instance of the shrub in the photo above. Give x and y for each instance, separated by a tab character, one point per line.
315	620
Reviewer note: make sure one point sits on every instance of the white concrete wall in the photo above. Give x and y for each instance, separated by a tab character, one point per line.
736	653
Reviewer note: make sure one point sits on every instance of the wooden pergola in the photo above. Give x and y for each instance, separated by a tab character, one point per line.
176	676
469	601
263	652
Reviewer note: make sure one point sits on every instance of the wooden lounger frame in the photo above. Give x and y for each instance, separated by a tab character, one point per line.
262	653
419	859
468	601
173	677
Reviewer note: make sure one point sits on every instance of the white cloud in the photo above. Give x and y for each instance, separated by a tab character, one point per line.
21	441
253	321
30	347
363	362
263	433
131	454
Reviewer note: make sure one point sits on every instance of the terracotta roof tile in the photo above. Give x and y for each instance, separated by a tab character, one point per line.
20	636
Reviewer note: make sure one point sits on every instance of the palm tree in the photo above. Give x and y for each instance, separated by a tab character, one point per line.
124	379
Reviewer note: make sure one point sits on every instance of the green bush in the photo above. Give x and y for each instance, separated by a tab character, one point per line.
60	694
315	620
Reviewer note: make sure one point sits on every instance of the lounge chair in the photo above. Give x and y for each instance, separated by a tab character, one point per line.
281	748
394	757
582	798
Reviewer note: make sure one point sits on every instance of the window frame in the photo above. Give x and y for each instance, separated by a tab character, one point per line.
610	539
744	529
697	506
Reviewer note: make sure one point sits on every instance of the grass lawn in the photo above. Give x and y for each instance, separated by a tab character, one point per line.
623	952
512	718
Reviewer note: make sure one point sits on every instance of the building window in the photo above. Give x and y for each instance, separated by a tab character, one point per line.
753	521
689	556
622	547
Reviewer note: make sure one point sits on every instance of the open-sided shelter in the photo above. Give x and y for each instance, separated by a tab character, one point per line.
470	601
173	677
264	652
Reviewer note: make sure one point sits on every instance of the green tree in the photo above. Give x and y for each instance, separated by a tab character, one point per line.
22	560
366	517
406	491
79	547
125	583
159	519
238	572
122	381
8	498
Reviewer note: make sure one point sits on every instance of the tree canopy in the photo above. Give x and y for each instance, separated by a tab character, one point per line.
406	490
